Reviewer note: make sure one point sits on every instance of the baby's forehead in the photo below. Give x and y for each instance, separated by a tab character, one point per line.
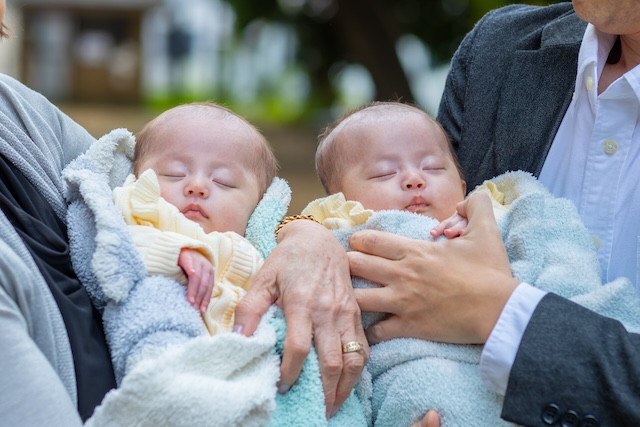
362	121
381	122
203	114
209	119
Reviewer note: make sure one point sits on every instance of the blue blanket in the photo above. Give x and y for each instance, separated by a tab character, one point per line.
548	247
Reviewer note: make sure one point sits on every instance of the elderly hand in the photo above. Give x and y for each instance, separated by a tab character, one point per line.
448	290
307	274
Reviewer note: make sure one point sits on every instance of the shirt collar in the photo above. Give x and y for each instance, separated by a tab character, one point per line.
593	54
592	58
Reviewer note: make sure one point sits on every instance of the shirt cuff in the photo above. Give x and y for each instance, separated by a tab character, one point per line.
501	348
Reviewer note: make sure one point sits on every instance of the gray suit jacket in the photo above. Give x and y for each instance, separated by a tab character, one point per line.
510	84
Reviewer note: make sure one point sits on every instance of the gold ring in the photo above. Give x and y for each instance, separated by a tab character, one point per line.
352	347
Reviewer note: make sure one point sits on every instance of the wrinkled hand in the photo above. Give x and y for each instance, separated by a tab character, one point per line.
451	227
200	275
307	274
448	290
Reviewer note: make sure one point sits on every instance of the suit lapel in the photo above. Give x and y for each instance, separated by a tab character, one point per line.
537	99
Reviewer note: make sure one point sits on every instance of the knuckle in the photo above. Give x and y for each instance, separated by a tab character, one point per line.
297	348
333	366
353	365
373	333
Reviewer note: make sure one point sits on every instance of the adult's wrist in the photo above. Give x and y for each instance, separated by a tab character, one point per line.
295	224
502	345
496	300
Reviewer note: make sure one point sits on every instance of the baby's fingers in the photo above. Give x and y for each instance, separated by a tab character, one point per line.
450	227
438	230
205	289
456	230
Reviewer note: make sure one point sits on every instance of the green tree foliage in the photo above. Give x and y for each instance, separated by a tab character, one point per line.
365	32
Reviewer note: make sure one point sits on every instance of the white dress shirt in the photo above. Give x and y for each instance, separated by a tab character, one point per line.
595	162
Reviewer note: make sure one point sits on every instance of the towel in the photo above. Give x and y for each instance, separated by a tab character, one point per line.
225	379
548	247
168	370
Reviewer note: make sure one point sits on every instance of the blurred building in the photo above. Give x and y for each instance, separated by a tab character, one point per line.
83	50
118	50
127	51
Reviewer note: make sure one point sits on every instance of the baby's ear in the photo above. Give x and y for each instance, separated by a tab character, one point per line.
271	209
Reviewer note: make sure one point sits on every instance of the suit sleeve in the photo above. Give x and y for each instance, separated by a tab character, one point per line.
574	364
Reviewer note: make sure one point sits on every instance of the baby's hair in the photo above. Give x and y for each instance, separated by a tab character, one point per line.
329	161
265	163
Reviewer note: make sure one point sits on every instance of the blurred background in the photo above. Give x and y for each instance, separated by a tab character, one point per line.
289	66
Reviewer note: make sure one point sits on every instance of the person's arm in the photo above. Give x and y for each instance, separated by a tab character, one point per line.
33	354
56	137
32	393
572	359
456	290
307	274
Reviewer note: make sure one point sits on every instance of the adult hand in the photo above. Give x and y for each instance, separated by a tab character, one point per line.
448	290
307	274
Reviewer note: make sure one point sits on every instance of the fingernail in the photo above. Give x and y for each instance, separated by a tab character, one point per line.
283	388
237	329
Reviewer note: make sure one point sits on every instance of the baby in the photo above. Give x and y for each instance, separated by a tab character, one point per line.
199	172
391	167
387	156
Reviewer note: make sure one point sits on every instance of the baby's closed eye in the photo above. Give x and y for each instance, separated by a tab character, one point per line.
171	174
224	183
382	173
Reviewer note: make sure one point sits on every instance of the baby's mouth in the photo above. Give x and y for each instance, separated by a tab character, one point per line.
417	205
194	211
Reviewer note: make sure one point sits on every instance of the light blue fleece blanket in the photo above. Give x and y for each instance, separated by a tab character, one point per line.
169	371
548	247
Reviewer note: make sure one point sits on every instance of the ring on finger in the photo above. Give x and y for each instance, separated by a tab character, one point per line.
352	347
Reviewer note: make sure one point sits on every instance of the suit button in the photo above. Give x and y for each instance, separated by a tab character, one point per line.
551	414
589	421
570	419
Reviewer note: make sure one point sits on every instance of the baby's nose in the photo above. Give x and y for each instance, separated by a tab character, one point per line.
197	187
413	181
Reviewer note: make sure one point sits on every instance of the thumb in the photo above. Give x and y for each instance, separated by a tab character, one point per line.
478	204
387	329
256	302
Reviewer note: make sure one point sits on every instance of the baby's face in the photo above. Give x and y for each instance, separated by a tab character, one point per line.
400	163
204	169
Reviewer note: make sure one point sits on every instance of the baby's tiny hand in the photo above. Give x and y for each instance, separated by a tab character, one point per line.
451	227
200	274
